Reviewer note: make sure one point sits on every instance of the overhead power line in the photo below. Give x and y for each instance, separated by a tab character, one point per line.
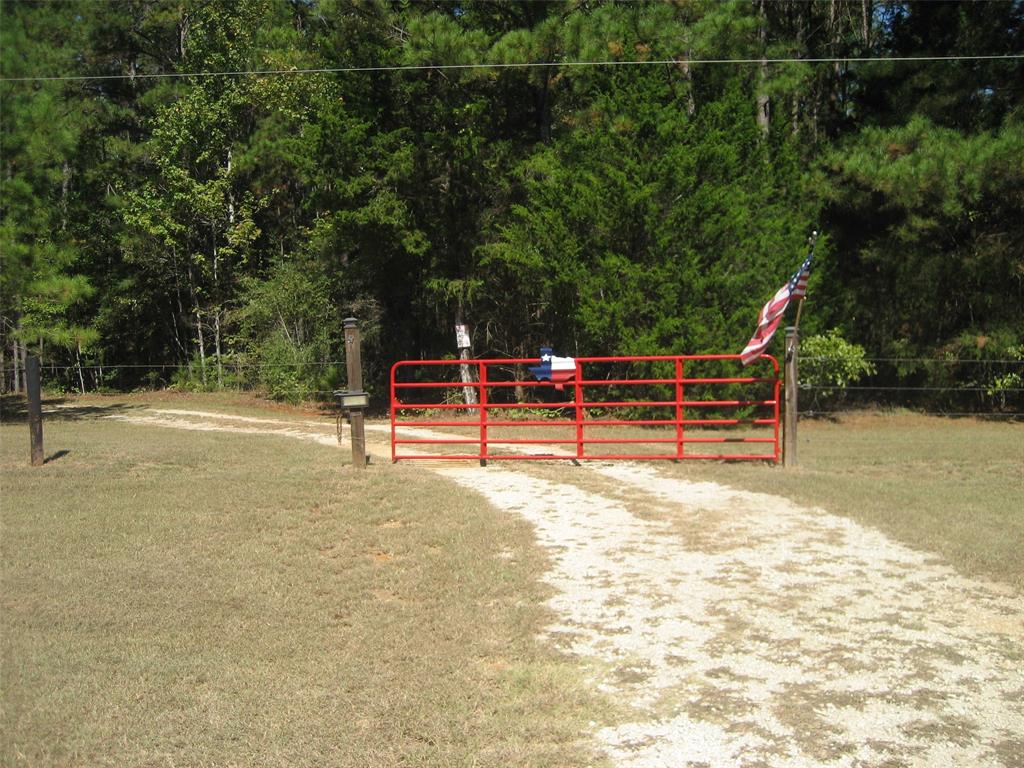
516	65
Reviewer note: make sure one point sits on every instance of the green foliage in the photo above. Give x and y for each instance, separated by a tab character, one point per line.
901	196
286	325
202	220
829	363
285	372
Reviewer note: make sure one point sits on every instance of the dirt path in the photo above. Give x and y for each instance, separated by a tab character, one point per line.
743	630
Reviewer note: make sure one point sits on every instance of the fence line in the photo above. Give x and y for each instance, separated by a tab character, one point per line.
811	413
949	360
211	364
907	394
835	387
233	363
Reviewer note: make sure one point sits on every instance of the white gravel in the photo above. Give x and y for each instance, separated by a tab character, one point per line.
785	637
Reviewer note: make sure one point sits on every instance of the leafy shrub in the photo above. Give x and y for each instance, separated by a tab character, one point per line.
286	371
829	363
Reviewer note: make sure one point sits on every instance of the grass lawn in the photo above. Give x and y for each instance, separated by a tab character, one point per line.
193	598
201	598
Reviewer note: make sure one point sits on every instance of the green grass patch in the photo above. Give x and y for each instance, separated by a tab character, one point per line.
194	598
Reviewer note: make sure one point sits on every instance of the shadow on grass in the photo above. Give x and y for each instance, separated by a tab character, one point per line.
14	410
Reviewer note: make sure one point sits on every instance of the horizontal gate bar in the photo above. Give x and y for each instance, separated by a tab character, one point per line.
595	404
590	457
590	423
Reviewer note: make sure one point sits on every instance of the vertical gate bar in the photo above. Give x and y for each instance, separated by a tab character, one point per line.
394	413
679	408
482	401
777	386
578	392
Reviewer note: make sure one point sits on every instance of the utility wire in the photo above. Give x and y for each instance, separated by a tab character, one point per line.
511	65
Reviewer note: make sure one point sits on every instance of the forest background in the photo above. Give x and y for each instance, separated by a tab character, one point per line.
166	226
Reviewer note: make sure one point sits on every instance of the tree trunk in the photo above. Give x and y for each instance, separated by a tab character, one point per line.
217	306
834	95
219	309
65	185
181	309
23	354
19	366
198	314
691	103
201	342
182	35
799	25
78	363
216	348
544	108
520	374
763	102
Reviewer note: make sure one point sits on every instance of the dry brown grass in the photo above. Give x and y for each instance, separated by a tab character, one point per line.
187	598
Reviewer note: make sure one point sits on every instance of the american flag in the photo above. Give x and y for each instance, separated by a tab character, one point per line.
771	314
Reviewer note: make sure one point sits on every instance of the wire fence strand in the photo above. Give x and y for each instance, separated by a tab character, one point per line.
999	400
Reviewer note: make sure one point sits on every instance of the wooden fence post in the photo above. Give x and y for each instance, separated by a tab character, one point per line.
353	361
35	409
789	428
464	345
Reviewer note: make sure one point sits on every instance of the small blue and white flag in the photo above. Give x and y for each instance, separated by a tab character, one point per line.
557	370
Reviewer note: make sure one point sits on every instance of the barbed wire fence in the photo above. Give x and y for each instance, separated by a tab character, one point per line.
948	386
953	387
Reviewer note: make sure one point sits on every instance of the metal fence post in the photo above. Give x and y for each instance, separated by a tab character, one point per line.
789	431
35	409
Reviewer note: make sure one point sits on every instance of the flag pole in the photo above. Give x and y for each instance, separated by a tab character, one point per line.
800	305
792	355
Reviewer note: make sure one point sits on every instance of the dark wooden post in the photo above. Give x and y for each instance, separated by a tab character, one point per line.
789	429
353	361
35	409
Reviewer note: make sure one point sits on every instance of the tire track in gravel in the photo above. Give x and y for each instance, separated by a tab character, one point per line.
741	629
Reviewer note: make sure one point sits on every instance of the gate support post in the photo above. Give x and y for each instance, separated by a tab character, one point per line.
354	364
35	409
789	429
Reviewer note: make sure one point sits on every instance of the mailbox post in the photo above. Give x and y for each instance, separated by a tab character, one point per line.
354	400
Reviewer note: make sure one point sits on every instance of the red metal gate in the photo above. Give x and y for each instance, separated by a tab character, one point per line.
651	407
